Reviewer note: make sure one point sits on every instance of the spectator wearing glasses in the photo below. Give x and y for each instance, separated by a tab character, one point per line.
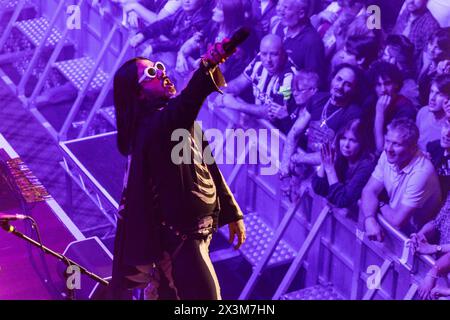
305	86
172	203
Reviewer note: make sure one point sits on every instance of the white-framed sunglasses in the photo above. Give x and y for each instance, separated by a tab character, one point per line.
150	72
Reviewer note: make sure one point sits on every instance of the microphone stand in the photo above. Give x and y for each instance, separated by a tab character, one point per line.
11	229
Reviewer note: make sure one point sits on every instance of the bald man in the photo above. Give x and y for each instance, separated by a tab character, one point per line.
270	76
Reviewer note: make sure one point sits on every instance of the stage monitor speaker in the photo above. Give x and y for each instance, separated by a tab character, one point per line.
91	254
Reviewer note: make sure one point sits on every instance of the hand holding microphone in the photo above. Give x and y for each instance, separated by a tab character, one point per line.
220	51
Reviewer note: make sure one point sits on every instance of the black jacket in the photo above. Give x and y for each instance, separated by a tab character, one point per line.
155	190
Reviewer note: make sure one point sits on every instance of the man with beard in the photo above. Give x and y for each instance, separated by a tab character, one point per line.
169	208
326	113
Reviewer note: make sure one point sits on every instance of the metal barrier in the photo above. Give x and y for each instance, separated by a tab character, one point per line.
337	260
357	267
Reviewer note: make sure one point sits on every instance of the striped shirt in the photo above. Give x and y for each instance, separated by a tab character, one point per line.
267	88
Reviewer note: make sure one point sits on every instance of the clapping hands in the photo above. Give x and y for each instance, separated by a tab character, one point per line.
327	156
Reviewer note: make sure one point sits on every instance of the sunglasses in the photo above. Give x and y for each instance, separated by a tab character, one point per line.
150	72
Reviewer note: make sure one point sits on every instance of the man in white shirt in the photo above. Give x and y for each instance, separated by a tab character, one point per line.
410	180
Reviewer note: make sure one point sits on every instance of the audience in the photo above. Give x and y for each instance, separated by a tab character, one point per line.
149	10
176	29
261	13
359	51
428	289
434	237
227	17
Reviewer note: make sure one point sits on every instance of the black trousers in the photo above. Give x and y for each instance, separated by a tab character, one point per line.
185	272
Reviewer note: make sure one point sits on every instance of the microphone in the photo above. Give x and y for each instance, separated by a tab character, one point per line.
236	39
10	217
210	60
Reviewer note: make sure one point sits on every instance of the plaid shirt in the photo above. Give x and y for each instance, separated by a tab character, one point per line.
421	28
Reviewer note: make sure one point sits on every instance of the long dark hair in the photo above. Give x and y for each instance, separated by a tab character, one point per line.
358	129
233	13
126	99
403	50
442	37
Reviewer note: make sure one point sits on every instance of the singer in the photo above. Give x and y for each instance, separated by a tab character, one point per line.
168	211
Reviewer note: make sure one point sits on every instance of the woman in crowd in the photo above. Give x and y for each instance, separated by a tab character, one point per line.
346	167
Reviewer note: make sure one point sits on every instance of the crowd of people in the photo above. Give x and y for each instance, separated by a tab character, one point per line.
365	106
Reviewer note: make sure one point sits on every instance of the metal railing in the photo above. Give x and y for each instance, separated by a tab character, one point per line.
396	271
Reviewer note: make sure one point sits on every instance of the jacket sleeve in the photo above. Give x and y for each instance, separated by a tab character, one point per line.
160	27
345	194
182	111
229	208
320	185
